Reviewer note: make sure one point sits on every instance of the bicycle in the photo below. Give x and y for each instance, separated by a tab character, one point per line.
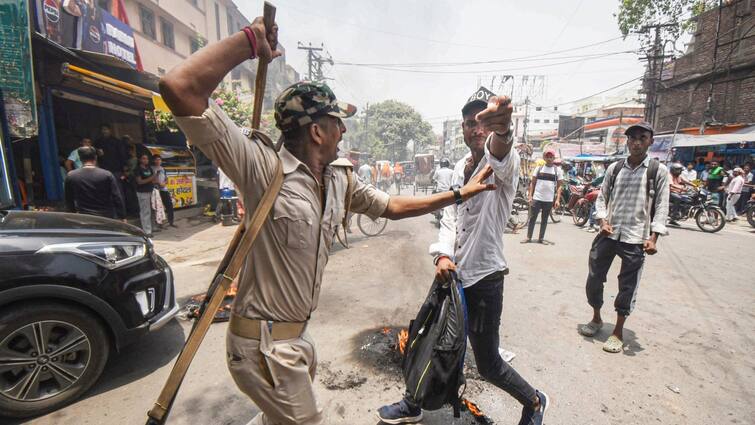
366	225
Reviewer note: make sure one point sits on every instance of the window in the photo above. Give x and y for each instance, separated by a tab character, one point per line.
555	108
546	121
555	121
538	108
167	30
229	22
148	22
217	20
536	121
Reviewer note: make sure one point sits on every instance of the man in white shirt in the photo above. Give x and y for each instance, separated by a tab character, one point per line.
690	174
543	192
73	162
470	243
443	176
734	191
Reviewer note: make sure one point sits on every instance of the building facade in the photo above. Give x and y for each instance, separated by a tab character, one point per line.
714	81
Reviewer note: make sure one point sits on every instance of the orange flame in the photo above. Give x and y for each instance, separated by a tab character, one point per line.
473	409
233	290
403	337
386	331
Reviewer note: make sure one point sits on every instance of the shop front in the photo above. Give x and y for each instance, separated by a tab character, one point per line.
180	169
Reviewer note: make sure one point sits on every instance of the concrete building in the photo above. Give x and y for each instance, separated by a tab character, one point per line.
453	145
168	31
542	121
714	81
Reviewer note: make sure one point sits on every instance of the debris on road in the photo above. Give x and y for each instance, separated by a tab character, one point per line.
674	389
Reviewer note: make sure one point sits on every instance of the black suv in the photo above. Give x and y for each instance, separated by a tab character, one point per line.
73	287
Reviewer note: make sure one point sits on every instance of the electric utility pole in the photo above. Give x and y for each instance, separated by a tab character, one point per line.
315	61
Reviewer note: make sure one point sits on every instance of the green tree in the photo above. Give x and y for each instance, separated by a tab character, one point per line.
240	112
634	15
390	126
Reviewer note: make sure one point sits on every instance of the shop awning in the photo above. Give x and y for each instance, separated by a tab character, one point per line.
747	134
104	82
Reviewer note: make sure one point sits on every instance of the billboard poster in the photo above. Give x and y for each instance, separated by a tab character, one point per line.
182	188
81	24
16	72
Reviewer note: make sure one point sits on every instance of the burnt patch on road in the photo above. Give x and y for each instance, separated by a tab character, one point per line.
382	350
336	379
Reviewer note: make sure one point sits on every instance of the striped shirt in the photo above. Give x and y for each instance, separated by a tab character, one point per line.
627	207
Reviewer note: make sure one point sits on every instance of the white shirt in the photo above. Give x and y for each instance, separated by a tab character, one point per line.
735	185
365	173
545	190
444	178
690	175
471	234
704	175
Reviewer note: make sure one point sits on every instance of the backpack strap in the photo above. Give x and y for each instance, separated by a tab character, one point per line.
618	165
651	191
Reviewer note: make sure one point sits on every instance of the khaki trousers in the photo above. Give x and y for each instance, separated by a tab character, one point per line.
277	376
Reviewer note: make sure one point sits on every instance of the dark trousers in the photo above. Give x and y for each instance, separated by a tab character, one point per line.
602	253
168	204
676	200
484	308
543	208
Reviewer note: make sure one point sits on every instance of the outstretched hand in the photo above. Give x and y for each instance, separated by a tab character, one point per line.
267	40
477	185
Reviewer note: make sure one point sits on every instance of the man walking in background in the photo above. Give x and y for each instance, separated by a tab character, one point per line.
543	191
145	184
92	190
161	183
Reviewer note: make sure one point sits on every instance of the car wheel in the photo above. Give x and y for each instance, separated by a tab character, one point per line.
50	354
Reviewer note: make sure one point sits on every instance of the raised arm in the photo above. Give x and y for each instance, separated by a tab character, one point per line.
497	118
411	206
187	87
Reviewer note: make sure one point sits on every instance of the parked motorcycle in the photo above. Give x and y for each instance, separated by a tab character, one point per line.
581	211
750	208
710	218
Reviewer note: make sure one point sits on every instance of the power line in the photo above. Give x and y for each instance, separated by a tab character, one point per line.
519	59
598	93
419	71
310	14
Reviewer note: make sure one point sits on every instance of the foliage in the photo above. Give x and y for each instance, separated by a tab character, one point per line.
163	121
239	111
635	15
390	126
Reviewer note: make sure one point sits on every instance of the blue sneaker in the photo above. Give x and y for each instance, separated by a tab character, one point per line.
531	417
400	413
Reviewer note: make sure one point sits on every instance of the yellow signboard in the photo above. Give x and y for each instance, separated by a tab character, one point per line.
182	189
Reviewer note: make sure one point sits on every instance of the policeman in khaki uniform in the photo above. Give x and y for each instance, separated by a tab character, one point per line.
270	355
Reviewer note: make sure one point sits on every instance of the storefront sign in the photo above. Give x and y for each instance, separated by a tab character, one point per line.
16	73
86	27
182	190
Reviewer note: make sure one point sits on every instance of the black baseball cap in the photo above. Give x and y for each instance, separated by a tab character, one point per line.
640	125
479	98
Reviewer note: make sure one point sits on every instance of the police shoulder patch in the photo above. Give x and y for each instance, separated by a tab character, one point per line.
342	162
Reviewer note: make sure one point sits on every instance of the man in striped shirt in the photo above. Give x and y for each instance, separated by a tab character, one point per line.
631	214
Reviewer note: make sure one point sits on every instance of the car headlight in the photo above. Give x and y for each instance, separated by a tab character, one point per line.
108	254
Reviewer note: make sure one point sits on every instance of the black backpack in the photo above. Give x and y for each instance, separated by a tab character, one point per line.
433	364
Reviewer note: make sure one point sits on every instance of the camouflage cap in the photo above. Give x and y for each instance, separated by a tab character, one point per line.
298	104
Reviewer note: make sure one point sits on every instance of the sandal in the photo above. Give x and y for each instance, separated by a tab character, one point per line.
613	345
590	329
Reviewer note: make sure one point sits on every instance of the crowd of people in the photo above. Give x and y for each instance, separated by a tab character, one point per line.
108	175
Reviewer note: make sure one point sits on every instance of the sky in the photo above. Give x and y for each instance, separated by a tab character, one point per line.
418	52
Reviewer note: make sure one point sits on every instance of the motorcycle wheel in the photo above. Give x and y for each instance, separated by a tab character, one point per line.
519	212
581	215
710	219
557	214
751	215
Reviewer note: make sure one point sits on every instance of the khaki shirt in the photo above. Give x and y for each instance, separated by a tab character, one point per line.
281	278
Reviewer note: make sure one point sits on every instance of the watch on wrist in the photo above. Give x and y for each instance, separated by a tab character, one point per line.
457	195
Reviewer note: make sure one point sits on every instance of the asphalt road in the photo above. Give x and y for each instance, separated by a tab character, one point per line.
687	360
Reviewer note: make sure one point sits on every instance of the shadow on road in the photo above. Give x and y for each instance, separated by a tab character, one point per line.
140	359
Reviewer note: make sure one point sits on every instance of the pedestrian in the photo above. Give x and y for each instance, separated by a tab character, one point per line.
690	174
161	183
365	173
470	242
73	161
715	183
269	353
145	183
631	216
92	190
704	173
113	152
543	195
733	192
746	188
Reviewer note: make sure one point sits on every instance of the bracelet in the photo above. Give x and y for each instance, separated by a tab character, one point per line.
437	259
252	41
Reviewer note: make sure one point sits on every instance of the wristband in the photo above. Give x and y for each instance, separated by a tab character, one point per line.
252	41
437	259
